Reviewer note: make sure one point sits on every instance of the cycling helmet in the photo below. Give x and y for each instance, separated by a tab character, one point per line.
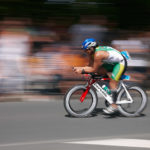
88	43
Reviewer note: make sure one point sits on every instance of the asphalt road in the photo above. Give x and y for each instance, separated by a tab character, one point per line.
46	126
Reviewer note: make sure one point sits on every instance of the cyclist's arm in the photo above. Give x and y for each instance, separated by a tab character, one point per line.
98	57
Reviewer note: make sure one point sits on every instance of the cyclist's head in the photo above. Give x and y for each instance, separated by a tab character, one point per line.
88	43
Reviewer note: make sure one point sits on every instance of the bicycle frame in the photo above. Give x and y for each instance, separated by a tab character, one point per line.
103	92
93	82
129	98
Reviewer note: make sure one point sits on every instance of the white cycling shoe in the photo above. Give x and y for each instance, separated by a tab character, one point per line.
110	110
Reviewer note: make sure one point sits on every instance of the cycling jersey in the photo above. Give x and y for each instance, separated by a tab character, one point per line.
115	62
114	55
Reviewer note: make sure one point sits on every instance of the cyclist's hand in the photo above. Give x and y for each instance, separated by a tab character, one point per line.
78	69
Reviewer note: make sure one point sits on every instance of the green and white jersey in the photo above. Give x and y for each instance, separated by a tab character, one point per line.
114	55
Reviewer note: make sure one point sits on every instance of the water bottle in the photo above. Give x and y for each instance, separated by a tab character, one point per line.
106	89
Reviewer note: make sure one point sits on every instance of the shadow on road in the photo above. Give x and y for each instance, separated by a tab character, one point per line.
96	112
99	111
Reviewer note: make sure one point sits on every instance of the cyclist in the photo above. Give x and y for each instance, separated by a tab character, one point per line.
104	59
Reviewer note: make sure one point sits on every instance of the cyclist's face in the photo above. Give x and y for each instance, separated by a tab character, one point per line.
90	51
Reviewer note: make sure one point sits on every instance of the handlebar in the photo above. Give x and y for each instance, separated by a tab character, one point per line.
96	76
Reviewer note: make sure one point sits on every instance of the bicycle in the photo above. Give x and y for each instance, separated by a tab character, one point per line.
85	96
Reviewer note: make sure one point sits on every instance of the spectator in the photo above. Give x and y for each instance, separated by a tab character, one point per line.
14	48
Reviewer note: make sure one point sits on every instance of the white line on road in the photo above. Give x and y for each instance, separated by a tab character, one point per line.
24	143
139	143
32	143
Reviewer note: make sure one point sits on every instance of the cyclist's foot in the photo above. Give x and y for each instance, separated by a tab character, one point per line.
110	109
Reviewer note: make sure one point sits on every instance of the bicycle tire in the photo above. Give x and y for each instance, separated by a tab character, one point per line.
142	105
69	97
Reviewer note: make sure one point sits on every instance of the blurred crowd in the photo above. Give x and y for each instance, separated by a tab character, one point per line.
38	57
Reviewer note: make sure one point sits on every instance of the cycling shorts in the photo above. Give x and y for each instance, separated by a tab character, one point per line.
117	69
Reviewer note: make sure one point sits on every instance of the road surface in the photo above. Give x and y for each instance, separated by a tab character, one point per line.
44	125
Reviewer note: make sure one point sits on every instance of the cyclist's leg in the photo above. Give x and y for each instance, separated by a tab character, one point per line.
117	71
116	75
107	68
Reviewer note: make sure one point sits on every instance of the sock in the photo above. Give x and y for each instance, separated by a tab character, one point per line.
114	95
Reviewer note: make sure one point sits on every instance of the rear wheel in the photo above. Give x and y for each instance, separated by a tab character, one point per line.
139	102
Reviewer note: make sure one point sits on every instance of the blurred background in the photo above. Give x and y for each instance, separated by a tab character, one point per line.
40	41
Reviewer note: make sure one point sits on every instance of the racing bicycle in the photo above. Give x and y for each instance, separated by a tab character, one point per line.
81	100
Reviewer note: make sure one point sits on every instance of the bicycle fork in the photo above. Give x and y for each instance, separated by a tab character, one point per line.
88	86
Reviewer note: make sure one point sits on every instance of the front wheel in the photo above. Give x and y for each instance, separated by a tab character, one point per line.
75	107
137	106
